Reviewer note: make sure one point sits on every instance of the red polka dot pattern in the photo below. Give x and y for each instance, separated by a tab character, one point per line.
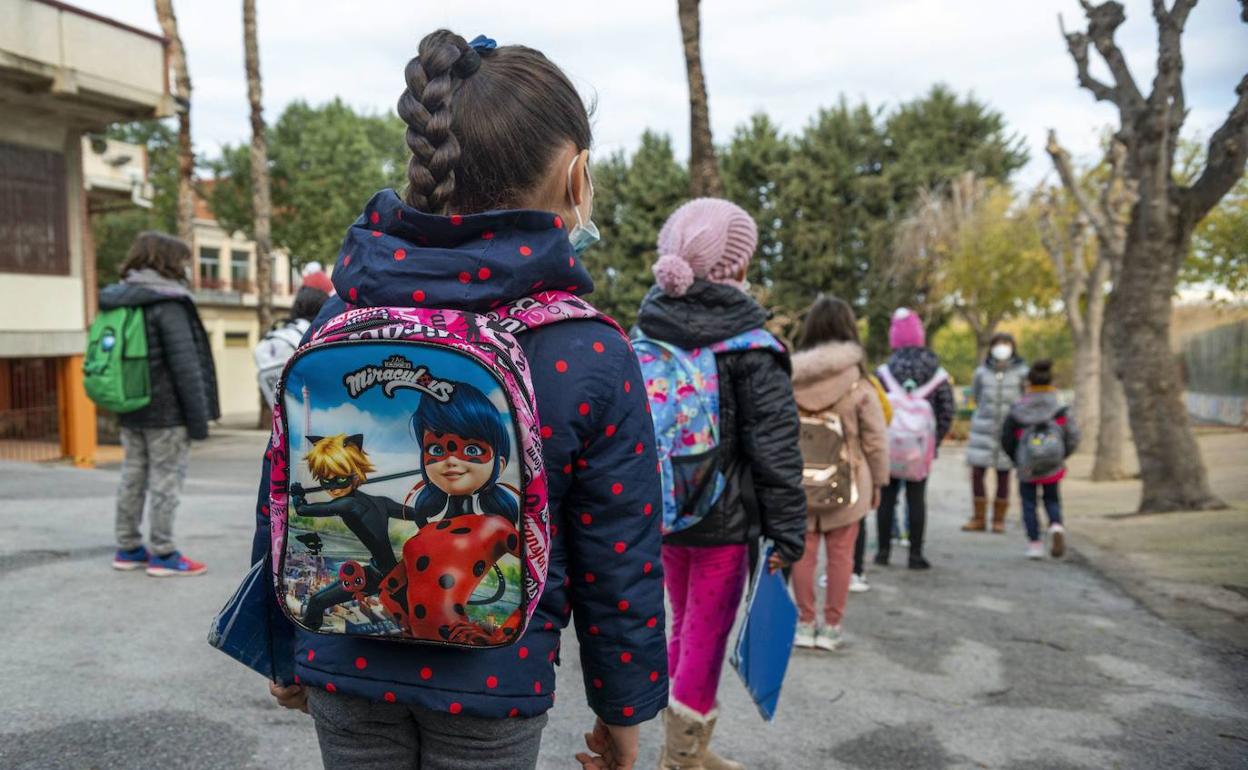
525	251
547	431
628	711
329	687
487	235
311	655
353	294
456	219
418	296
376	233
523	652
491	682
426	673
456	707
610	431
400	254
374	217
626	657
586	519
623	605
583	409
361	663
465	278
390	697
617	488
561	366
484	274
559	222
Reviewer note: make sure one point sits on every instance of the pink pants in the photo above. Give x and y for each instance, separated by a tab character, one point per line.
839	543
704	586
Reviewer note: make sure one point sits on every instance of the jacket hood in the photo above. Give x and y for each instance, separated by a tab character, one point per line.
824	374
707	313
395	255
142	287
1036	406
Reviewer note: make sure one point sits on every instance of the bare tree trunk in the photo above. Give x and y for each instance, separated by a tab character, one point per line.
260	201
1087	377
1158	240
1111	432
703	170
1139	319
182	90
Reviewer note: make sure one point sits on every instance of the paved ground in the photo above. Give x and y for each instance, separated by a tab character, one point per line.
988	661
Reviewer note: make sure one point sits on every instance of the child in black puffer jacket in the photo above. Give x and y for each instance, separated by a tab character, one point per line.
912	364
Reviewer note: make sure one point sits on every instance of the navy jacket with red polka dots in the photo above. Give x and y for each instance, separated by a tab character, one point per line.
605	573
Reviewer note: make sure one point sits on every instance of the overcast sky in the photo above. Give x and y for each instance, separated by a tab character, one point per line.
784	57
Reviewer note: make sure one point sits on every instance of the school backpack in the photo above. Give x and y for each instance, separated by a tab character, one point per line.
272	353
912	432
408	497
115	369
683	389
827	470
1041	450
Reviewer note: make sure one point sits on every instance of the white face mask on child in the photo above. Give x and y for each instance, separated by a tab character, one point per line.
1002	352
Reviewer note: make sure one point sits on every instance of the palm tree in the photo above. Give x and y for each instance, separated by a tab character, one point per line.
260	202
703	170
182	91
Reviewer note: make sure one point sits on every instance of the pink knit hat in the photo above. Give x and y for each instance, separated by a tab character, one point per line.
706	238
906	330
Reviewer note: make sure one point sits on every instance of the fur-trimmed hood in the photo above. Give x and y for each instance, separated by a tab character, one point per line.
823	374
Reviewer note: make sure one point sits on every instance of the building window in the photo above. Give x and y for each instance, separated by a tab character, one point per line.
209	268
240	263
33	222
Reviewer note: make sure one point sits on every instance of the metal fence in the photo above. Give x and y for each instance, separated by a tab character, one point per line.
1216	367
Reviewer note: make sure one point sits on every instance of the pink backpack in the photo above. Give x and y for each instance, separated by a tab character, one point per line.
408	498
912	433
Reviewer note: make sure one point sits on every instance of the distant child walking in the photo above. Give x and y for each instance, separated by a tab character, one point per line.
913	373
1039	434
182	383
845	450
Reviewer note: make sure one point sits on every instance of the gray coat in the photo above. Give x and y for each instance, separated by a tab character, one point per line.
995	389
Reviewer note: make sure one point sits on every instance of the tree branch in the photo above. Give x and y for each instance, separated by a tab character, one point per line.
1077	44
1168	83
1224	162
1061	161
1103	21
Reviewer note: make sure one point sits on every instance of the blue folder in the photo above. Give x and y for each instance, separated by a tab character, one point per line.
251	629
765	641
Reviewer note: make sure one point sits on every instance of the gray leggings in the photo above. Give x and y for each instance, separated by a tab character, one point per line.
357	733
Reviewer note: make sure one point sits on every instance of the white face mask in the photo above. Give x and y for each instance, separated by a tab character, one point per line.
1002	352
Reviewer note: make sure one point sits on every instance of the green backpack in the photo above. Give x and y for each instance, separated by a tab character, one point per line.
115	371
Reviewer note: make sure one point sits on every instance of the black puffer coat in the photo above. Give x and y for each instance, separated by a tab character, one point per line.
183	377
759	423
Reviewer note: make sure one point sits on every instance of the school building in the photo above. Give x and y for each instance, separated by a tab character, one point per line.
64	74
224	286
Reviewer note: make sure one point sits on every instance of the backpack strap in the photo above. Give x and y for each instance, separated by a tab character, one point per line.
890	382
546	308
938	379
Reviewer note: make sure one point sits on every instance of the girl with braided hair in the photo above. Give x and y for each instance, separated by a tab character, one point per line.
497	208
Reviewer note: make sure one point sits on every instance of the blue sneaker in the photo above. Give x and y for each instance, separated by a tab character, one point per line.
174	565
135	558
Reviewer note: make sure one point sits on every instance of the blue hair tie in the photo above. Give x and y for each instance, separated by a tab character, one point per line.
483	43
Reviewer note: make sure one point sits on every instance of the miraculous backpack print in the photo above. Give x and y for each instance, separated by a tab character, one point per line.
683	388
408	496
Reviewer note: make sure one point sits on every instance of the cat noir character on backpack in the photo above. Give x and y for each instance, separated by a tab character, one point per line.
506	424
1039	434
149	361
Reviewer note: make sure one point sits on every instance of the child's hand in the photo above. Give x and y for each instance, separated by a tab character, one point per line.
875	498
776	562
293	697
613	747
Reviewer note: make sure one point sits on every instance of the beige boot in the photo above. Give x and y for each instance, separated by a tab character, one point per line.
683	723
681	747
977	524
999	509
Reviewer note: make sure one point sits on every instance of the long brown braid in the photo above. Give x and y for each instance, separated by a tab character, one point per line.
483	126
